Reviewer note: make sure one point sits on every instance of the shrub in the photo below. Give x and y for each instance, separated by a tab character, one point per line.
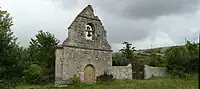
119	60
76	79
33	74
182	59
156	60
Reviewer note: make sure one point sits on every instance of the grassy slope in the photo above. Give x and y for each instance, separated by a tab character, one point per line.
155	83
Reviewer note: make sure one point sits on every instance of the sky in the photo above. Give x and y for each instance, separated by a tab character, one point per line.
144	23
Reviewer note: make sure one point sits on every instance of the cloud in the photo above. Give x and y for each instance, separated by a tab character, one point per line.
148	9
31	16
127	30
180	27
141	22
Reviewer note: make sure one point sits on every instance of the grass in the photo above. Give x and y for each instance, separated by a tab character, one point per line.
153	83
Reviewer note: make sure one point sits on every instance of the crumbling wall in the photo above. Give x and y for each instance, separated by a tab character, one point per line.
121	72
154	71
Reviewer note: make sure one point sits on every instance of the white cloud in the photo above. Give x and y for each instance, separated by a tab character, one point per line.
29	16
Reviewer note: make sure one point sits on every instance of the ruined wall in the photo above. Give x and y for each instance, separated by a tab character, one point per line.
154	71
121	72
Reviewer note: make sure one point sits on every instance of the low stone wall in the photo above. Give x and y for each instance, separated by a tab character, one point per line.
121	72
154	71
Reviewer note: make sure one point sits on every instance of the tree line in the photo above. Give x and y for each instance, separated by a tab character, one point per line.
33	65
179	60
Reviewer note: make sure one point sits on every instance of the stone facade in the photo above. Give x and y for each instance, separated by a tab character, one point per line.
121	72
154	71
77	51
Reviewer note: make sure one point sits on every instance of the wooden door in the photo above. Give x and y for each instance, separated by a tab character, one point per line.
89	74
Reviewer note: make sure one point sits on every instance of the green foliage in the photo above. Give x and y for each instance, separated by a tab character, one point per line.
182	59
193	61
10	64
128	51
76	79
42	47
119	60
42	53
33	73
149	51
34	64
125	55
156	60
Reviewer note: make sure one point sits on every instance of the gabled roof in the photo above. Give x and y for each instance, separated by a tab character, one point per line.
87	12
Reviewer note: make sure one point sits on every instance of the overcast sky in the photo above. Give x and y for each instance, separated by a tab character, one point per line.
140	22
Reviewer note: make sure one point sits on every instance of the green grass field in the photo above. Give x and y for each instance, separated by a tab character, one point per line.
154	83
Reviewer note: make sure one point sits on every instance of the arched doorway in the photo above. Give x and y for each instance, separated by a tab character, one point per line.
89	74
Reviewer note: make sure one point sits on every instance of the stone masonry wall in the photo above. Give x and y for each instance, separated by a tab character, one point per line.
121	72
76	59
154	71
59	65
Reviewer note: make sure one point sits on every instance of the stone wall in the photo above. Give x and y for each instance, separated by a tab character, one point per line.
74	60
154	71
59	65
121	72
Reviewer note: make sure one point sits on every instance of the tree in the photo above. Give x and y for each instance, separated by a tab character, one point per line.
128	53
156	59
119	60
41	53
176	58
182	59
193	51
10	66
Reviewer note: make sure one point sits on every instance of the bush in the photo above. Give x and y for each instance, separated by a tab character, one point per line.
76	79
33	73
182	59
119	60
156	60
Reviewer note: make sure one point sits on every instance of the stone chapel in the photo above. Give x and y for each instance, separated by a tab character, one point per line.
85	52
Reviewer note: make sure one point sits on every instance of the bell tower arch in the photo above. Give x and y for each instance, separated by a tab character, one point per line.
90	31
87	31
